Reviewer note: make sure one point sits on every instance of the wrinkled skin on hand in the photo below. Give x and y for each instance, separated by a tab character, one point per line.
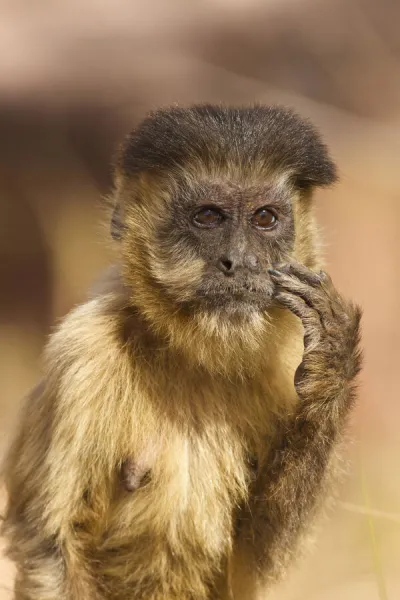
331	328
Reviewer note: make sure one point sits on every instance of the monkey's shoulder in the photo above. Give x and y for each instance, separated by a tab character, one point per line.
89	329
86	358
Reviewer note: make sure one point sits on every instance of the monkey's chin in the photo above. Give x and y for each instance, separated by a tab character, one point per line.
238	310
234	307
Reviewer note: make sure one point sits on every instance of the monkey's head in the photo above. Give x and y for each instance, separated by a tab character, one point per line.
207	199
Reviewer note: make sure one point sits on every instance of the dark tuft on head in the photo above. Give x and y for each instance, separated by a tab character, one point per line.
271	135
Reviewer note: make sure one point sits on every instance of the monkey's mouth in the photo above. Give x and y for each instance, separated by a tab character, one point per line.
233	297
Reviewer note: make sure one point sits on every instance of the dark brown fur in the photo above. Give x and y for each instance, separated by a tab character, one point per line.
180	441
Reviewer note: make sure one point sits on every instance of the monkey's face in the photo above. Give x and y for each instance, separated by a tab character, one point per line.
210	198
213	249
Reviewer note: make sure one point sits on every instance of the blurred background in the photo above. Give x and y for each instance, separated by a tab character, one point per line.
76	76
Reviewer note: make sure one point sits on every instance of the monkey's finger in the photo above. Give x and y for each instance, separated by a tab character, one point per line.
301	272
321	281
308	316
296	305
317	297
311	295
326	279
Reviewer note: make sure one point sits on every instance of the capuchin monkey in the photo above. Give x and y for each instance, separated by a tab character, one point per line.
180	442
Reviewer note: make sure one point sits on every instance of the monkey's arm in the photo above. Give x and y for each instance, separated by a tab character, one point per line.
288	487
38	537
55	459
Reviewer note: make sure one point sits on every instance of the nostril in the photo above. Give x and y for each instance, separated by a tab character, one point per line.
225	265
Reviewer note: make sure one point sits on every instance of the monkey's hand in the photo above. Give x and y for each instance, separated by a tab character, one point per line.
289	484
331	335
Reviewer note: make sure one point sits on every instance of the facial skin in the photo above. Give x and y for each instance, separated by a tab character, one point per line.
237	232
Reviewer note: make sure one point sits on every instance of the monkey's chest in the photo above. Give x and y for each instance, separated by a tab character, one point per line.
185	490
183	470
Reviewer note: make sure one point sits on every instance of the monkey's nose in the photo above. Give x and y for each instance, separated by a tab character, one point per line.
226	265
229	264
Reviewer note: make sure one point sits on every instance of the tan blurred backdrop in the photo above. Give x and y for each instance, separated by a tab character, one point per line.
75	76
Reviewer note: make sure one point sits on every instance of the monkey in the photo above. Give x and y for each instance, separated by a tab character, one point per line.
181	441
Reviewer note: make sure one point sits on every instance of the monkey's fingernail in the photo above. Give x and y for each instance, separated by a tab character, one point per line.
274	272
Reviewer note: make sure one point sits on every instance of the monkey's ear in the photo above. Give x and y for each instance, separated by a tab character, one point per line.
117	225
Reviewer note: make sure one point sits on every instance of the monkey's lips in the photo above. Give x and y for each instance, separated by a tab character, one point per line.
235	297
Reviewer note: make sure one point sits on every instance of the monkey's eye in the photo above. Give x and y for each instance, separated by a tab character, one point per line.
264	218
208	217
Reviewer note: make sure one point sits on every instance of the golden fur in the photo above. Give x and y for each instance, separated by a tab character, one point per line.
128	375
